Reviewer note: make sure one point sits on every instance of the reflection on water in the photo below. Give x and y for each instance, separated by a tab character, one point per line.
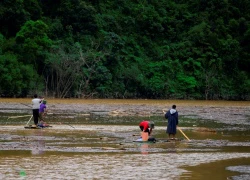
38	145
144	148
109	165
108	152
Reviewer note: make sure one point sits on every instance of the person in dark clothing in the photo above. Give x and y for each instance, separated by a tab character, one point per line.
172	116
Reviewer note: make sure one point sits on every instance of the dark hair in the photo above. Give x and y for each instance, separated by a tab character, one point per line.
174	106
35	95
152	124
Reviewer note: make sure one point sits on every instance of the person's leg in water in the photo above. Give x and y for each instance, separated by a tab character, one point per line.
35	116
170	134
41	118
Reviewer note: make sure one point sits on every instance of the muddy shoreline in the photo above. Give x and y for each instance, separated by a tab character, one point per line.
229	113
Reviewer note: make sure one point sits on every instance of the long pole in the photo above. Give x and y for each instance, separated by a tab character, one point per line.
183	134
29	120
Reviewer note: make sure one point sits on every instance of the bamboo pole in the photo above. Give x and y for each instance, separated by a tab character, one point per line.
29	120
12	117
183	134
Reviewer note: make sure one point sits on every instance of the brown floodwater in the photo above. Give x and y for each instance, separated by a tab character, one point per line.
90	144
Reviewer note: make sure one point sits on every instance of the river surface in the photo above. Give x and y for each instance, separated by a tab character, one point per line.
96	140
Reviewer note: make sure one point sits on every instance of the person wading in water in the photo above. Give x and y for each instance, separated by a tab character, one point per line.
35	108
172	116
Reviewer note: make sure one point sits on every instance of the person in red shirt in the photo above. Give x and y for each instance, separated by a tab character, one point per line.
146	126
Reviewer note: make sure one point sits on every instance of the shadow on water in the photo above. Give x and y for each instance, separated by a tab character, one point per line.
96	145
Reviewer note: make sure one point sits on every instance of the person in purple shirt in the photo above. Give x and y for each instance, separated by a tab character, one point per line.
42	111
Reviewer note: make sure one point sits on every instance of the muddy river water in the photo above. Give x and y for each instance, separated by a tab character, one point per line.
95	139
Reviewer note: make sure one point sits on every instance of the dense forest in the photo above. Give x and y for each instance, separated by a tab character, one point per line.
161	49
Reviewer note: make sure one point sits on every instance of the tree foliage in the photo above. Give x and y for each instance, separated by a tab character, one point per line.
126	49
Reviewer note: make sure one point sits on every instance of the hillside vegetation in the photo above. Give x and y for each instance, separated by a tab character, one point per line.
164	49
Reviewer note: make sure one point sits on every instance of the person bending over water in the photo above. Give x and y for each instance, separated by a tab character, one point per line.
146	126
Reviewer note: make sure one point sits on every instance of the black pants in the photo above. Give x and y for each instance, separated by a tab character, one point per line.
35	116
141	127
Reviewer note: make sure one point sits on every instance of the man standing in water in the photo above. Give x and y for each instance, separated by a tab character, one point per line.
35	108
172	116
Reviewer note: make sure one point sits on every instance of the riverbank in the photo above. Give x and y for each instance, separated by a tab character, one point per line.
229	112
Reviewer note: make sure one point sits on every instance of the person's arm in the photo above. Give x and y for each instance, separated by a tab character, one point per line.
45	109
41	100
177	119
166	114
150	131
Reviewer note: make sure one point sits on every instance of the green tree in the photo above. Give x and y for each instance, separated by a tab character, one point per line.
13	14
16	79
33	42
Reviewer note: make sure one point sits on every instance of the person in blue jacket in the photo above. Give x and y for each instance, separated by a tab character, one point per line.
172	116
